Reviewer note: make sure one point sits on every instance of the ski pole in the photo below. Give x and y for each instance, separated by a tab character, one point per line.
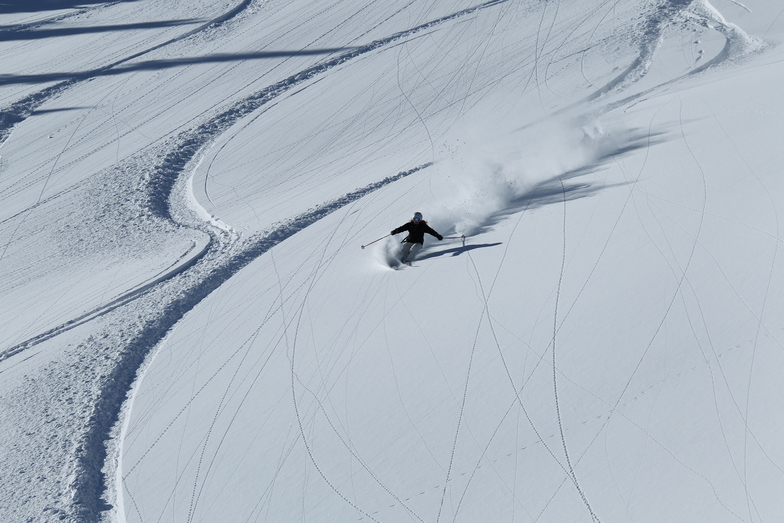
456	238
374	241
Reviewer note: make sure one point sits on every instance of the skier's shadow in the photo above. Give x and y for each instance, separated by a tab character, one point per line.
457	251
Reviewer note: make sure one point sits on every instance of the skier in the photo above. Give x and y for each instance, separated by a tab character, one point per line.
416	228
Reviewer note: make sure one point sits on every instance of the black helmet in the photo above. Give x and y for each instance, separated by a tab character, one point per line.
417	216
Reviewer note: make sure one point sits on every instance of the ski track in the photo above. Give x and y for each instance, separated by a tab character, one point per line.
23	109
291	348
737	46
209	273
567	459
90	483
179	266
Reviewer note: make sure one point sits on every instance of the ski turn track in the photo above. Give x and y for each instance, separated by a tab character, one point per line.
189	287
139	320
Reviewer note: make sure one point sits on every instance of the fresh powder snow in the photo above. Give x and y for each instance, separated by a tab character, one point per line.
190	331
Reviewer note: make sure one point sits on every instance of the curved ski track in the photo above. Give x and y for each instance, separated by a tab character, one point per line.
215	264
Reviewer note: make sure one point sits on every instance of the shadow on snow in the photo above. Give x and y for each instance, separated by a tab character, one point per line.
35	6
155	65
14	33
59	110
456	251
18	111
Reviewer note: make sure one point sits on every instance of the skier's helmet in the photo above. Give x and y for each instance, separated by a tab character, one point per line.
417	216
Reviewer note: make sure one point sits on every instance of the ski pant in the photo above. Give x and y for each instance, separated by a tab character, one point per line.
409	251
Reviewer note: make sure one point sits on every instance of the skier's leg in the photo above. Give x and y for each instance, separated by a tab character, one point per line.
413	251
404	250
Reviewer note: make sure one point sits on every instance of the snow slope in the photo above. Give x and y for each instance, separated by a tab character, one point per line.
190	331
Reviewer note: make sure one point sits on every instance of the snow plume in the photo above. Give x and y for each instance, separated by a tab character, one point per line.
489	175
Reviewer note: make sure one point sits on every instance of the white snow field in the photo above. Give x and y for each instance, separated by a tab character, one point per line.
190	331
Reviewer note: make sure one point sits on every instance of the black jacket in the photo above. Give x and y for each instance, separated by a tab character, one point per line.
416	231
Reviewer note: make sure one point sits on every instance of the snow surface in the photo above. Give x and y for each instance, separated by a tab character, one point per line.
190	331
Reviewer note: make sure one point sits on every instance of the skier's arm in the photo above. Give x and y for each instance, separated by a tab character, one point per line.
400	229
431	232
